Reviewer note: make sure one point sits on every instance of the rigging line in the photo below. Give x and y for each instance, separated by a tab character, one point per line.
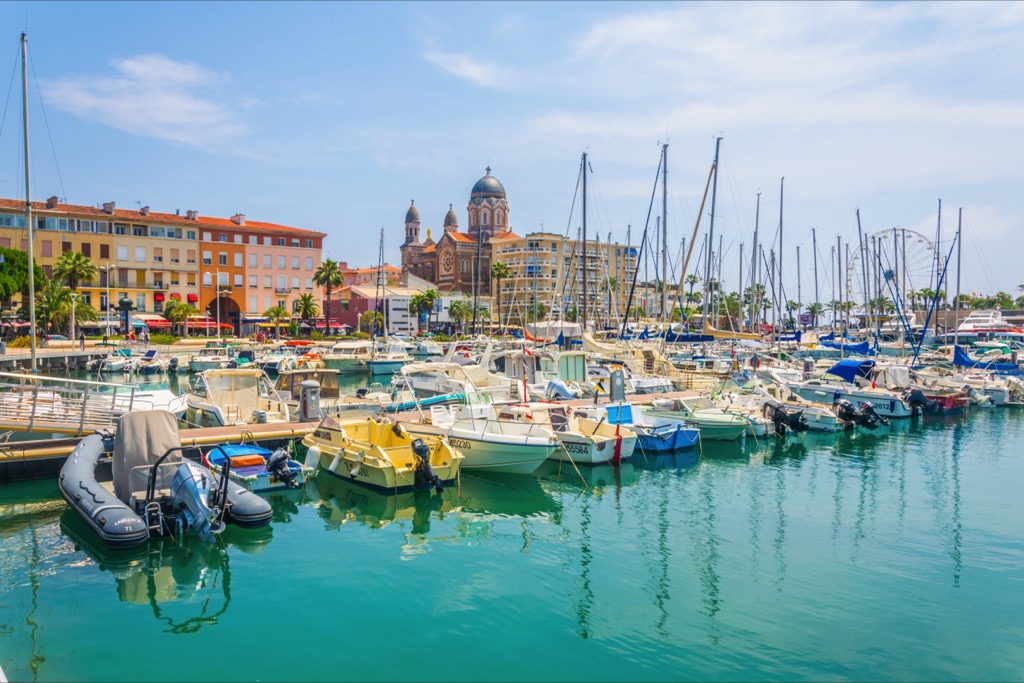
49	132
10	87
643	239
741	220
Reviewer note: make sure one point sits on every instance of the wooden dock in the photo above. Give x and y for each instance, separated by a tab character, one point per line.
43	458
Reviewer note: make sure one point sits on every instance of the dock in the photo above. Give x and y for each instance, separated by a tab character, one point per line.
43	458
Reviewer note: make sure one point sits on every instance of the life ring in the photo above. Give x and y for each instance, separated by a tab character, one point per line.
528	416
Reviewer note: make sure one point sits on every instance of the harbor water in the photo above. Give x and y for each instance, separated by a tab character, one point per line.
888	555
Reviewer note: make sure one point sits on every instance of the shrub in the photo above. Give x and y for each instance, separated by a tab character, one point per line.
22	342
164	339
316	336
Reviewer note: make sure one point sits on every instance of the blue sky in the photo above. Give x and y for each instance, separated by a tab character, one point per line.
333	116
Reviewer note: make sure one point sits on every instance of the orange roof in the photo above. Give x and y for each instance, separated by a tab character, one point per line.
155	217
460	237
386	268
505	236
431	249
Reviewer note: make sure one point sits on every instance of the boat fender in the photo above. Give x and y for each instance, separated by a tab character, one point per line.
312	457
334	463
359	463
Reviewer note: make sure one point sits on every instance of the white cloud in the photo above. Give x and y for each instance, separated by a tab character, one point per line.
465	67
154	96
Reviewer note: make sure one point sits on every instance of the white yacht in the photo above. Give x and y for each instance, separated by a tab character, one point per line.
234	396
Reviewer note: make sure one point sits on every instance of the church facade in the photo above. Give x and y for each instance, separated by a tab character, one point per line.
458	260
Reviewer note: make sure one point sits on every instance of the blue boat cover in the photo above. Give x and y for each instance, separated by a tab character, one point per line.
850	368
217	454
862	349
961	358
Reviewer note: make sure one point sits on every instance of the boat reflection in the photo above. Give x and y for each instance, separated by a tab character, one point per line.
193	574
560	477
678	461
473	499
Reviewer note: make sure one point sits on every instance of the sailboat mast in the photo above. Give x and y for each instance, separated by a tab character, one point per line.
664	230
956	301
739	292
711	231
755	299
938	269
28	205
583	317
782	293
814	248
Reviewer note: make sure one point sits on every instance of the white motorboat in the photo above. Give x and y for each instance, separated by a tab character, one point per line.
583	439
839	383
348	357
488	443
210	358
234	396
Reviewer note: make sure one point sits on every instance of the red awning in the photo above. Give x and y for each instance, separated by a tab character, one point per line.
176	296
157	323
158	297
193	297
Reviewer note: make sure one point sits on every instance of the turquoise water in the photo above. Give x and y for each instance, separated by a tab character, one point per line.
894	555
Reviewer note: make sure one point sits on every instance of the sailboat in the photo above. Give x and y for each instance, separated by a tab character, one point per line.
389	359
33	345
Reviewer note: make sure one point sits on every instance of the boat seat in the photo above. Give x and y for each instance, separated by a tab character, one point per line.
142	438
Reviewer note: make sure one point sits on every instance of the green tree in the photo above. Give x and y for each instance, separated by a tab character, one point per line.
370	321
499	271
814	310
14	275
328	276
460	312
276	314
306	307
535	312
178	313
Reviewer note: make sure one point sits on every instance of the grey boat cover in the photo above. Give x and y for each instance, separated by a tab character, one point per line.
142	437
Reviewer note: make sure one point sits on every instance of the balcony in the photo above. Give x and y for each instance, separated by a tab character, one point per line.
282	290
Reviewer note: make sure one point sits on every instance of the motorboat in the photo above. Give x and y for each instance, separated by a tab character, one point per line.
256	468
426	347
211	357
389	360
150	363
134	484
582	438
851	379
348	357
278	360
234	396
654	434
380	454
118	360
489	442
714	423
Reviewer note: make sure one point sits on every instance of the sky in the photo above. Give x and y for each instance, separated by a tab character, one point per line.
333	116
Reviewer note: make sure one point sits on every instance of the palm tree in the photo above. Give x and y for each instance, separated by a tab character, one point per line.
53	304
178	312
499	271
370	320
73	268
276	313
537	311
814	310
328	276
459	312
430	297
307	307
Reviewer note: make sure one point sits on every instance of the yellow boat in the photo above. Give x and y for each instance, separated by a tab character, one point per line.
377	453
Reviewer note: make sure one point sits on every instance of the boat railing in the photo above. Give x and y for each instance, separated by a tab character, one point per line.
66	406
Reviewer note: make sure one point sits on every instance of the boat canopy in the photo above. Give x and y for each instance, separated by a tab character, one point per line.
961	358
851	368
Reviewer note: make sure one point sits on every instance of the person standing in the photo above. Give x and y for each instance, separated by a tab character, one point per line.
81	341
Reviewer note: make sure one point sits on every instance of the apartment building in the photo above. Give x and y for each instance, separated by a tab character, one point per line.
152	258
548	269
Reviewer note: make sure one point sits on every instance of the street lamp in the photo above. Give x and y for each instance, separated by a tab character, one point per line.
106	323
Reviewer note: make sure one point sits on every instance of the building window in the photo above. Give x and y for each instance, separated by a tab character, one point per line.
207	237
295	283
252	281
158	254
309	263
268	261
295	262
221	237
104	251
140	254
140	302
282	282
268	281
252	304
238	280
207	258
120	229
222	259
122	252
207	279
309	283
309	244
175	255
238	259
253	260
280	241
190	234
266	240
222	279
282	262
47	248
253	239
86	249
268	301
295	243
238	239
138	231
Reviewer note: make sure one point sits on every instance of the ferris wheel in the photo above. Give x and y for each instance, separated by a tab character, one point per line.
904	260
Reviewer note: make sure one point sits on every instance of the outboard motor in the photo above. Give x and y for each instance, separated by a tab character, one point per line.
172	364
424	473
871	419
277	465
193	494
361	392
849	414
558	389
783	418
919	402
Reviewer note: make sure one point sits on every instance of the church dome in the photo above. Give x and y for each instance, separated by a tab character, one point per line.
413	214
488	186
450	219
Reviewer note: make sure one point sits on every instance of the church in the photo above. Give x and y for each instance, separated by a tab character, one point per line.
457	259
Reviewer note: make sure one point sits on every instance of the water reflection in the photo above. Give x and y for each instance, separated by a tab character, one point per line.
186	571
